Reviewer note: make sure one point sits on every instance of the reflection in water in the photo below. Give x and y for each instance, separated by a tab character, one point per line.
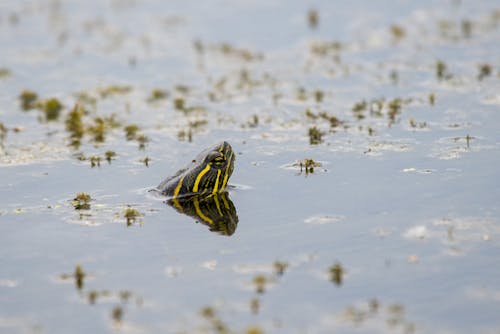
215	210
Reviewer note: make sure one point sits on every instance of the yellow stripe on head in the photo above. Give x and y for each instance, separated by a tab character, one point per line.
198	178
226	174
216	186
178	187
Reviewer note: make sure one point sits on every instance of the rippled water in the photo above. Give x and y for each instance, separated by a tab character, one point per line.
395	230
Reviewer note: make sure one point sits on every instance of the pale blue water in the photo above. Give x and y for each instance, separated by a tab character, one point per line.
410	214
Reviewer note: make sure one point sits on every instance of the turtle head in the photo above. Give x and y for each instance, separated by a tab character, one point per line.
214	168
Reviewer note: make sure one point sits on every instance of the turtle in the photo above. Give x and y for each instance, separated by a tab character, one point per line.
208	173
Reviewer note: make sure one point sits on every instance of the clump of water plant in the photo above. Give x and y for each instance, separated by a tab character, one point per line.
109	155
260	282
179	104
52	108
75	126
131	215
81	201
114	90
78	275
484	71
307	165
157	95
394	108
312	18
4	72
218	326
336	273
145	161
280	267
442	72
117	315
398	32
28	99
315	136
131	131
95	161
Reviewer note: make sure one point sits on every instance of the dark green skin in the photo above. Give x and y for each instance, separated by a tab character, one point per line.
189	174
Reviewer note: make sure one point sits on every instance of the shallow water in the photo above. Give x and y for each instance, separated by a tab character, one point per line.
396	231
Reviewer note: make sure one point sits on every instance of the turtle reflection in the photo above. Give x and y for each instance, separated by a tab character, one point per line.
216	211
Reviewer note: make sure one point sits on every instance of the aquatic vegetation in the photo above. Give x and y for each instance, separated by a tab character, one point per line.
5	72
280	267
117	314
398	32
307	165
312	18
92	296
255	305
325	49
315	136
260	282
394	108
179	104
79	276
52	109
432	99
442	72
114	90
75	126
131	215
131	131
254	330
109	155
3	132
182	135
157	95
145	161
98	130
142	139
484	71
95	161
319	95
218	326
359	108
336	274
28	99
82	201
416	125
